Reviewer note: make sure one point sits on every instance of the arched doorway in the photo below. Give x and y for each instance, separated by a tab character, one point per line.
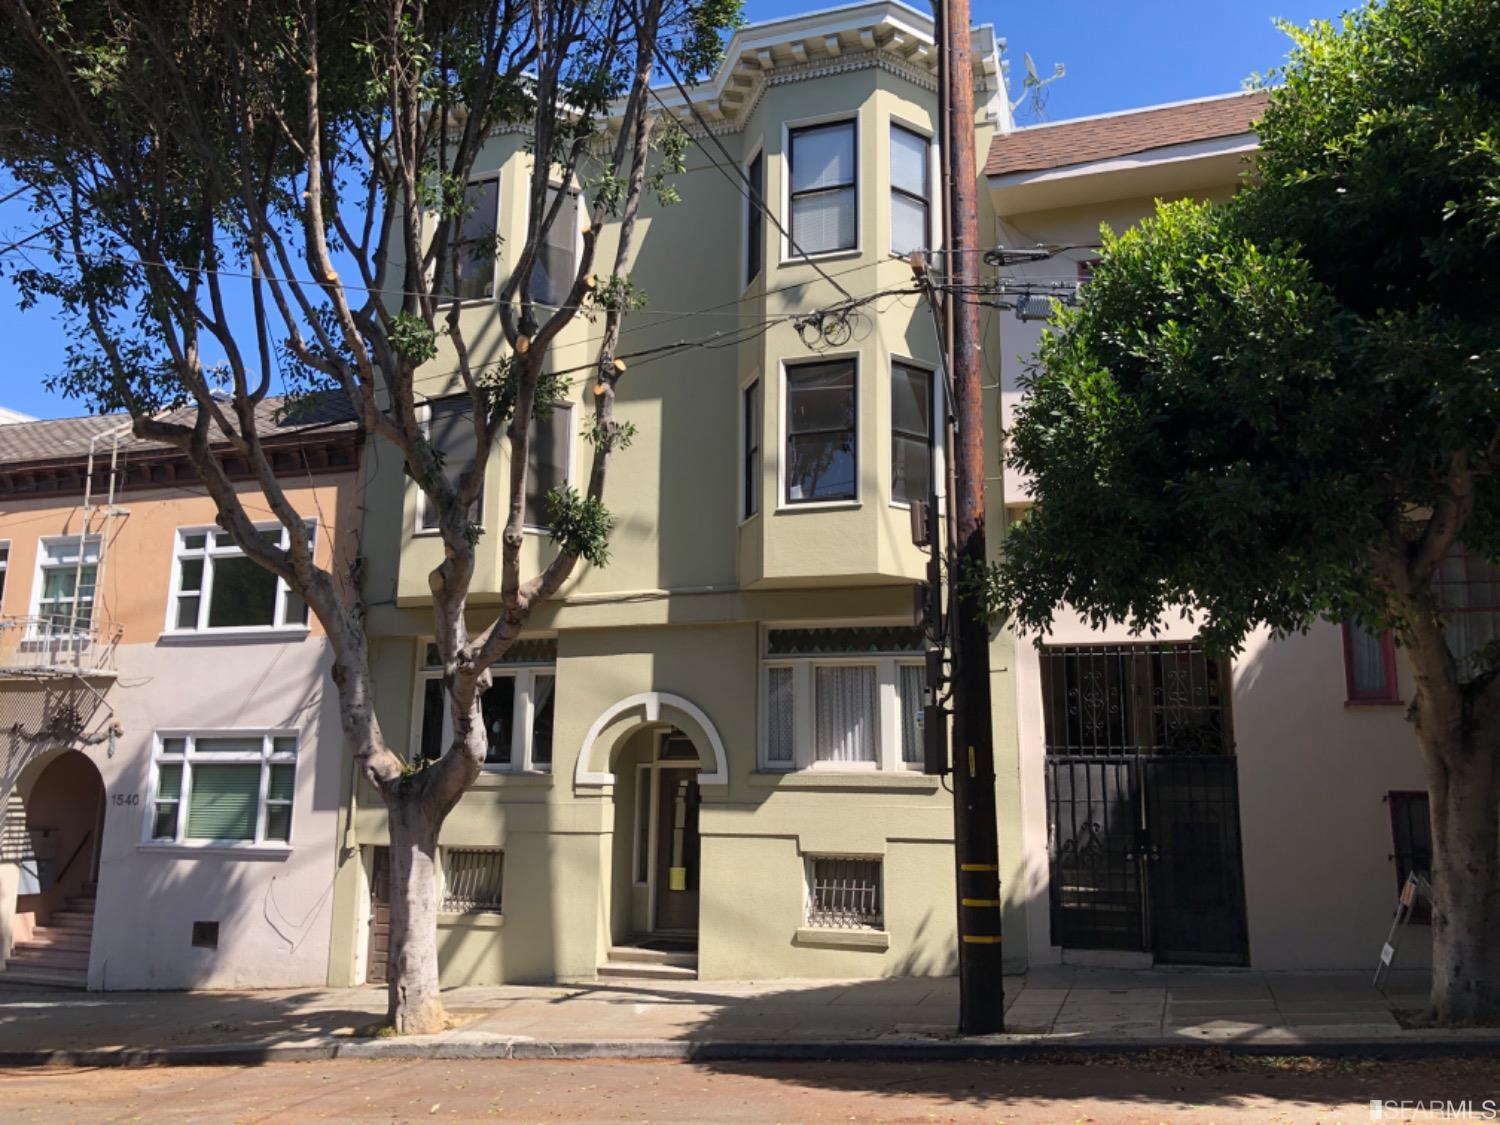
53	923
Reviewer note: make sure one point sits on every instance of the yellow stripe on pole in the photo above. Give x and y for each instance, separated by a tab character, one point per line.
979	867
977	939
980	901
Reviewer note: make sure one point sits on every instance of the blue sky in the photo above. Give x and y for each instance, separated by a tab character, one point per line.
1118	53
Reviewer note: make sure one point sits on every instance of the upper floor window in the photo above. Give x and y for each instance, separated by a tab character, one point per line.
517	708
843	698
549	461
64	598
216	586
1467	588
4	565
223	789
473	250
750	440
556	265
911	192
821	443
911	433
755	243
1369	665
449	427
822	197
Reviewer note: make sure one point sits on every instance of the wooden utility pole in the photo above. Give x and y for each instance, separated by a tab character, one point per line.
975	838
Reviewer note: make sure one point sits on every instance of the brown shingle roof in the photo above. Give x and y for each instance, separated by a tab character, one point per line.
67	439
1119	134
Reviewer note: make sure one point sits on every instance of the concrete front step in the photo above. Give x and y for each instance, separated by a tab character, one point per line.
38	957
45	937
638	970
43	977
639	954
72	920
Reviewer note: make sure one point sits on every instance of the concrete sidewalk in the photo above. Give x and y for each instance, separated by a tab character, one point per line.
1062	1008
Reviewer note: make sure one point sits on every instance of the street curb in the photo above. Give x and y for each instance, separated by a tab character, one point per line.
889	1050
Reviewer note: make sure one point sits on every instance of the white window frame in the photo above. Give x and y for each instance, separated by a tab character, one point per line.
571	472
790	257
745	248
936	409
86	544
888	717
742	485
208	553
424	419
267	757
781	435
577	214
475	302
523	712
4	568
934	178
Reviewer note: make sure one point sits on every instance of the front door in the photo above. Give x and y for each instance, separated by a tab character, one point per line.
378	952
676	874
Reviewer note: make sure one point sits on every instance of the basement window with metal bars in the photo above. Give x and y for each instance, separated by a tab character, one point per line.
843	893
472	880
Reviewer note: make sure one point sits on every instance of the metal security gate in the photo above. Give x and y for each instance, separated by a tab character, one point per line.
1143	803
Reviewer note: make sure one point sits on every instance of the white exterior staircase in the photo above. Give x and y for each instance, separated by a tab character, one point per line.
57	956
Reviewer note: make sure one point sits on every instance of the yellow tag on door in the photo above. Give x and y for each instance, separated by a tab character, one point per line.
677	879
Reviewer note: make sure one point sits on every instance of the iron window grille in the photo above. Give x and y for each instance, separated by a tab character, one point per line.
1120	700
1411	842
472	880
843	893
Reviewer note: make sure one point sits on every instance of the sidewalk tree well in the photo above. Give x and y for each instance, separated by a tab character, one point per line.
1286	408
233	196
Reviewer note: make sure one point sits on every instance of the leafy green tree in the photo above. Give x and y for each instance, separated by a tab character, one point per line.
225	188
1286	408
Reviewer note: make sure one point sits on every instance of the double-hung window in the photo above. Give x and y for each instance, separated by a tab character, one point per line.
823	192
4	565
750	448
821	445
449	426
556	265
472	260
843	698
911	433
911	191
755	226
549	460
216	586
66	569
517	708
1369	665
1467	590
223	788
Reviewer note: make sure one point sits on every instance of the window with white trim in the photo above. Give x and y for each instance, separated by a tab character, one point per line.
1467	589
4	565
64	598
517	708
448	424
223	788
549	461
911	433
844	893
822	196
911	192
822	433
215	585
557	255
750	449
842	699
755	226
473	879
473	247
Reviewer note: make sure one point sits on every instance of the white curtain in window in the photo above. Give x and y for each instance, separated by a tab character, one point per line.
845	726
779	715
1366	661
911	684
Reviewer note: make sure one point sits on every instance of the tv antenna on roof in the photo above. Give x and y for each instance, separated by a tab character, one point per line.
1034	86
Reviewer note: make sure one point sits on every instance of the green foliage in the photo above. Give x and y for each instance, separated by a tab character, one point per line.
609	436
580	524
671	141
618	293
500	382
1252	396
413	338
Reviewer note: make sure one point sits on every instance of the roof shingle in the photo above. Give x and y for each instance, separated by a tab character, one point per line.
1098	138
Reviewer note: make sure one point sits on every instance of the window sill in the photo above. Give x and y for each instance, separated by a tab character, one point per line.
817	506
277	635
877	941
493	777
789	259
1358	703
238	851
477	921
911	781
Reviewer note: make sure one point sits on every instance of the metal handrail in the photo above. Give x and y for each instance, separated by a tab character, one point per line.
87	836
56	642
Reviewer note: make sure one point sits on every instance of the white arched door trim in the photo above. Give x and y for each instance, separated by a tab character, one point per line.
652	703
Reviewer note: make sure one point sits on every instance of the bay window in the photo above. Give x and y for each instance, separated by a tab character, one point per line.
549	459
448	424
821	439
215	585
823	193
911	433
750	450
555	267
473	246
911	193
755	244
233	788
841	699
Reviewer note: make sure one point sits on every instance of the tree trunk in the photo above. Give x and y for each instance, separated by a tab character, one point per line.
1464	799
415	1004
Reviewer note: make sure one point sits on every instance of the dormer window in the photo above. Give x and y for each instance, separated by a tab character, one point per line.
822	200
